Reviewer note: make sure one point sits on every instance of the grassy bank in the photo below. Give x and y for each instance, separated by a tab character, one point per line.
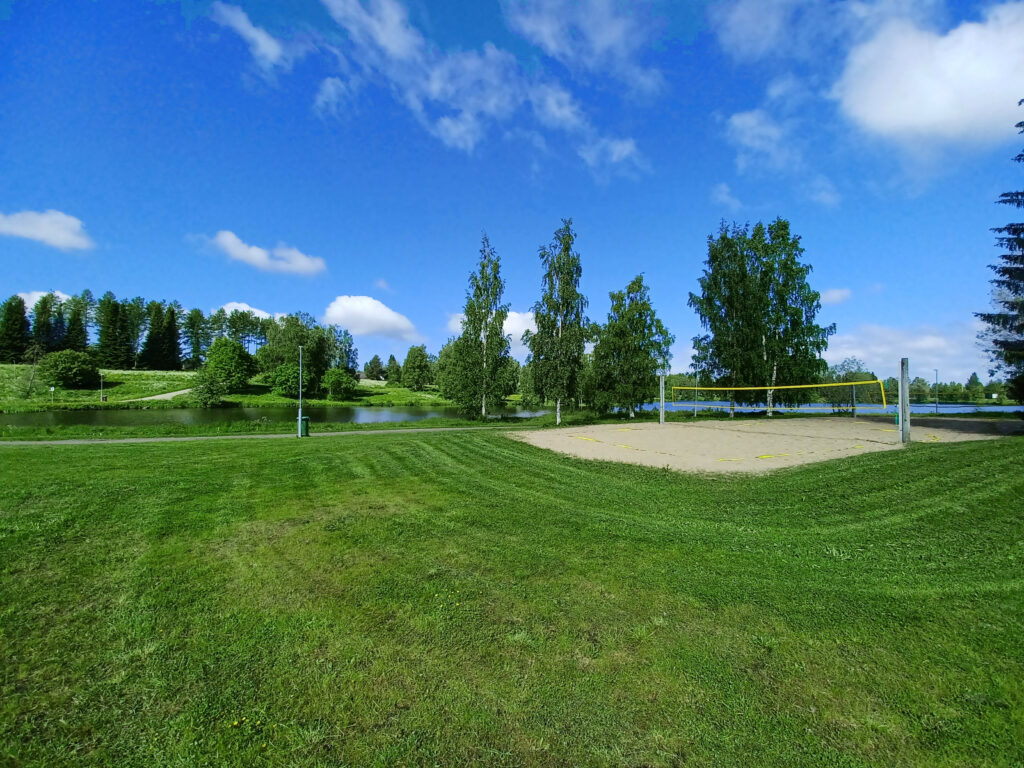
460	598
17	395
260	396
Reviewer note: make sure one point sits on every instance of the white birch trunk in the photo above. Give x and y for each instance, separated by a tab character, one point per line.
558	412
771	392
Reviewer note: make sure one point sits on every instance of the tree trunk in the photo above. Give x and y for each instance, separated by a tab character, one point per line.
558	412
483	394
771	392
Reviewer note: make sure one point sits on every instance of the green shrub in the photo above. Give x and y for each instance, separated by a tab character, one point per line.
284	381
229	363
339	384
207	390
69	369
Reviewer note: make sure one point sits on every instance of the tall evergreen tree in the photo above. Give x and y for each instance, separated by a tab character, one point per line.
76	338
393	371
632	346
152	354
1005	332
374	369
196	332
556	348
108	314
133	318
170	347
479	356
759	312
416	369
14	331
44	331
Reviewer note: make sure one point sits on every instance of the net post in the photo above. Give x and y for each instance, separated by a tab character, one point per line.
662	413
904	408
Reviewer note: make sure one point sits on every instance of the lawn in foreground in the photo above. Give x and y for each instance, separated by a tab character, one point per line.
466	599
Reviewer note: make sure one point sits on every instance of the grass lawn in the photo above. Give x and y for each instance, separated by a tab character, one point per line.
462	598
118	386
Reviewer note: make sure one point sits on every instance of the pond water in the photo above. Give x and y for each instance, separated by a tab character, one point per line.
947	408
120	418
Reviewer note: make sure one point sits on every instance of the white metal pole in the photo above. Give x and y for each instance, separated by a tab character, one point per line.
300	393
936	391
696	391
904	407
662	415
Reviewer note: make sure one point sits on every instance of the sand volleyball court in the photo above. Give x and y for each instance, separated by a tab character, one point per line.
747	445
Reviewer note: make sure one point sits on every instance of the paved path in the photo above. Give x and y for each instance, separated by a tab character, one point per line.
164	396
194	438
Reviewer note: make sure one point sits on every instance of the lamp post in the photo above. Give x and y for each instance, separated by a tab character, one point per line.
101	387
936	391
300	392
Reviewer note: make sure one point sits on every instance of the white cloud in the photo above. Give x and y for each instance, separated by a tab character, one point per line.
456	95
835	296
722	195
761	141
912	84
597	36
241	306
282	258
610	153
515	324
454	324
752	29
366	316
31	297
332	93
821	190
382	285
953	350
51	227
264	47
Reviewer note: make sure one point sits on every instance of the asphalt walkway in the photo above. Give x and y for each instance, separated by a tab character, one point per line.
196	438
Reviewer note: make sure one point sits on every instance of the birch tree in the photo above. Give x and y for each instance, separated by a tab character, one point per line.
759	313
475	369
556	348
631	348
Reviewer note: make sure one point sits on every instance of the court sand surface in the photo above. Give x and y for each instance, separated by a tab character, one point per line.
745	445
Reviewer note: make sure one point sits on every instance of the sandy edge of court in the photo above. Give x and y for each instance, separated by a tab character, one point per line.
752	446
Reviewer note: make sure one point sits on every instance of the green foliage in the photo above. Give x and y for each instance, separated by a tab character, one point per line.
69	369
228	363
631	348
170	346
46	332
374	369
196	332
473	368
339	384
208	390
849	371
556	348
1005	322
14	330
416	371
151	356
758	311
77	337
393	372
323	347
284	381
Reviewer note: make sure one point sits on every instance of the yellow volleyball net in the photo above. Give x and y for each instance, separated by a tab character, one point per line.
847	397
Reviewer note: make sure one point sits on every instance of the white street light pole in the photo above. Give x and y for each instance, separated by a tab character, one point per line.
300	392
936	391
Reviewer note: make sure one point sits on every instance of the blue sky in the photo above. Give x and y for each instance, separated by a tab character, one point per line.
343	157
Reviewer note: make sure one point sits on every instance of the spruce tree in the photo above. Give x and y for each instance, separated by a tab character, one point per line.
197	337
1005	333
556	348
43	330
152	354
76	338
393	373
14	331
374	369
170	347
